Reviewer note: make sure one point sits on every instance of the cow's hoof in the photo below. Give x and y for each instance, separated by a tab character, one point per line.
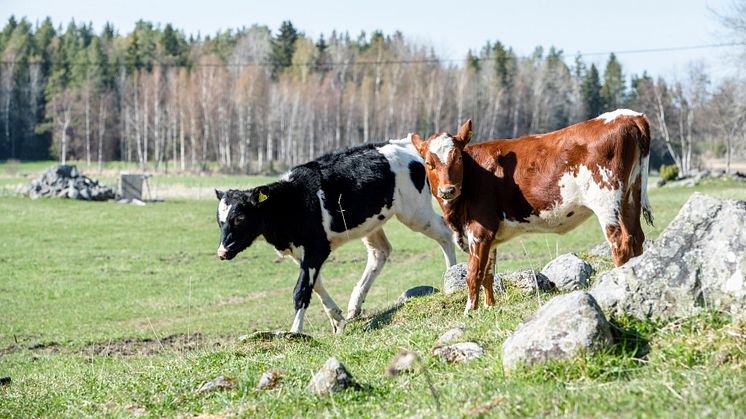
352	314
339	326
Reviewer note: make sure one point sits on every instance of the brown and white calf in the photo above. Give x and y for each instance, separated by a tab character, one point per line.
492	191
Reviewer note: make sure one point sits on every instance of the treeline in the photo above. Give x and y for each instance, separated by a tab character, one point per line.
254	101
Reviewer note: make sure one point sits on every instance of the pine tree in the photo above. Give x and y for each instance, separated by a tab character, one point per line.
322	58
282	48
505	64
591	93
612	91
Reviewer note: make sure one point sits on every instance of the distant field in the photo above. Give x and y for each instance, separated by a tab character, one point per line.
129	311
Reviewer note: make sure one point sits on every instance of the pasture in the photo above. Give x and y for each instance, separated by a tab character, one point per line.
112	309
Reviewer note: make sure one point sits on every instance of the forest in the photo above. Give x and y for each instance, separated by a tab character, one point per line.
253	100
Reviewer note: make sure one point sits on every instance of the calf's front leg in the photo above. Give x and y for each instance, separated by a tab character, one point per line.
479	260
309	273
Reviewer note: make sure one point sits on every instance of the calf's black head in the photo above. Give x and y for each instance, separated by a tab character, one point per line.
240	219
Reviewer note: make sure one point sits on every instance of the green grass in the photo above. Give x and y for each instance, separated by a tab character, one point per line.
101	288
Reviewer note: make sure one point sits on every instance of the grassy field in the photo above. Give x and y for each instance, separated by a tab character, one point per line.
112	309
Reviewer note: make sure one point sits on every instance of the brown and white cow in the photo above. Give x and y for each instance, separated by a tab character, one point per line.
492	191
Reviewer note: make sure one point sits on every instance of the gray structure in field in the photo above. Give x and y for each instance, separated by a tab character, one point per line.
131	186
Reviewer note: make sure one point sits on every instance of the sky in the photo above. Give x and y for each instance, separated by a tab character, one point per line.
450	27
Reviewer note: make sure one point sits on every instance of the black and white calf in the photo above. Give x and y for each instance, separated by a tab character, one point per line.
324	203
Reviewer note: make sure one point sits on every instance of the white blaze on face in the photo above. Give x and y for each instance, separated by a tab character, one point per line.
223	210
610	116
441	146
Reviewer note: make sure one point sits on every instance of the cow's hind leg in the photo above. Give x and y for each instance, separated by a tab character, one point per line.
629	220
429	223
379	250
625	236
330	307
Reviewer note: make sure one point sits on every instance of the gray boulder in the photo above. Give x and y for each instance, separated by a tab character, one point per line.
698	262
564	327
568	272
526	280
419	291
332	377
455	280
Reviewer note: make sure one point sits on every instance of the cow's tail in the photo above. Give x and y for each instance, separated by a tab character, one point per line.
644	142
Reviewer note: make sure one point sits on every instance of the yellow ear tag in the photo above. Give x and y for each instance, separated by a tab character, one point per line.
262	197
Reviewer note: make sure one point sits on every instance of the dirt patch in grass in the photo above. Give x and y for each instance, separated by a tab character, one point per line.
46	346
146	347
128	347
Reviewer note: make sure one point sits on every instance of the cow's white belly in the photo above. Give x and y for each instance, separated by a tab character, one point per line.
560	219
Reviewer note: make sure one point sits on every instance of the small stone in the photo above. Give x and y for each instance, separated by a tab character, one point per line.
268	335
4	381
332	377
419	291
270	379
459	352
527	280
403	362
220	383
568	272
450	336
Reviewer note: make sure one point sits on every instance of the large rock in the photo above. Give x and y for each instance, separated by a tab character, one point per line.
333	376
698	262
526	280
568	272
562	328
455	280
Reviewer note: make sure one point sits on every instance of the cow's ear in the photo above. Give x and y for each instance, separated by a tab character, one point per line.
259	196
418	143
464	133
220	194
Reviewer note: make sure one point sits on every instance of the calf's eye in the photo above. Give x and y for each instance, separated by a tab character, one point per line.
238	220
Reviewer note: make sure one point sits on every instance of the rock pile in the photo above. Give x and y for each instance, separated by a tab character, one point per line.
696	176
64	181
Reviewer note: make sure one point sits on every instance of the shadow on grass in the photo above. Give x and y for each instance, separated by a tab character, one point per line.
381	319
631	338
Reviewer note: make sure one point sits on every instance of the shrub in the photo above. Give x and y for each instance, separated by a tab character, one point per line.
669	172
